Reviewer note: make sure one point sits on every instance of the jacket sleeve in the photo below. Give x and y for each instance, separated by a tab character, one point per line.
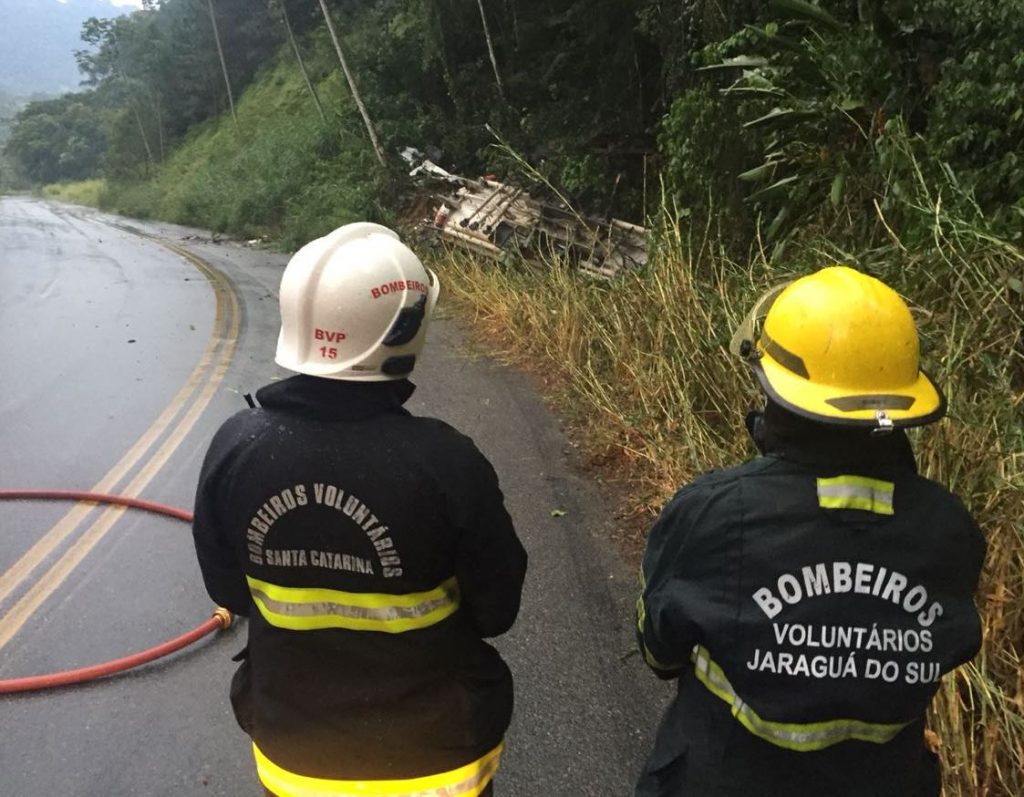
490	560
218	557
666	630
967	560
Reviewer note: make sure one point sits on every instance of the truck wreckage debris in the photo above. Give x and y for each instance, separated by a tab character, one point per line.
495	218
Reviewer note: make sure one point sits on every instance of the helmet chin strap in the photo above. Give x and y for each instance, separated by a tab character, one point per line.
754	421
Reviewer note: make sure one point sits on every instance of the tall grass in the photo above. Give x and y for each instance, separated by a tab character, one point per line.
83	192
972	283
641	370
636	362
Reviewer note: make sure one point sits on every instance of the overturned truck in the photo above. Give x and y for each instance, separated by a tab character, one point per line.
496	218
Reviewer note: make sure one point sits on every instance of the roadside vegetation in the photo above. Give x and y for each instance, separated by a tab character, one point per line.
82	192
641	371
281	176
757	140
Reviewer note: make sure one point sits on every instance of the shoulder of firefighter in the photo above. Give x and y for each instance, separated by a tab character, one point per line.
372	553
803	608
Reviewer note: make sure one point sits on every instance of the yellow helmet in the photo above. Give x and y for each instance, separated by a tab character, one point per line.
840	347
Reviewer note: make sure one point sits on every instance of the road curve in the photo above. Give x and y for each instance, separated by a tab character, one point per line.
585	707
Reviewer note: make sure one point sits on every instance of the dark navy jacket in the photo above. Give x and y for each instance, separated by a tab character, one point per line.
808	603
334	485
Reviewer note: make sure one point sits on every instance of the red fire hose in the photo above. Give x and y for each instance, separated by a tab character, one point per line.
221	618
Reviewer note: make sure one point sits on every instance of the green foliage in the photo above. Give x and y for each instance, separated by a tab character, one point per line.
575	99
165	62
9	107
279	173
84	192
977	119
61	139
642	371
794	119
703	150
883	133
155	73
844	104
816	107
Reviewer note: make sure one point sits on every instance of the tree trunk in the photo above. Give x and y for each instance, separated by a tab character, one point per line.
131	97
298	57
159	127
437	18
223	63
511	10
142	132
490	51
352	86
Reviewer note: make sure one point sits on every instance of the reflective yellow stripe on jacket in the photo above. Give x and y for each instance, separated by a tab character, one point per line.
856	492
801	736
311	609
466	781
641	620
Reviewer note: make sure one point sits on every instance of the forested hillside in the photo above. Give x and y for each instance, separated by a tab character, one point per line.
756	139
781	111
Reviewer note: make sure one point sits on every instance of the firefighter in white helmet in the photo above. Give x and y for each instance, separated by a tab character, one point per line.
370	549
810	600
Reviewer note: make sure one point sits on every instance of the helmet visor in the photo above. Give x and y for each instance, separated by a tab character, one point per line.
749	331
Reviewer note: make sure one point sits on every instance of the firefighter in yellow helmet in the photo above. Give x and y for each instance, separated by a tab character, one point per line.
370	549
809	601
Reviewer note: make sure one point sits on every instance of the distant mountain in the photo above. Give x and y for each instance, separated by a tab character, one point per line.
38	39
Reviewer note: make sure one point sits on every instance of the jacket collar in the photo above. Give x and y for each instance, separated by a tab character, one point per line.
782	434
864	454
335	399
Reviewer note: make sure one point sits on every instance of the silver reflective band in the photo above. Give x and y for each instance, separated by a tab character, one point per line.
313	608
856	492
803	736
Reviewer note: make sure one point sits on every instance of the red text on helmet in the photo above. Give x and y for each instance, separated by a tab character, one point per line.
327	334
397	285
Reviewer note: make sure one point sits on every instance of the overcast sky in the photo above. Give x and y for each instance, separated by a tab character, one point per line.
38	39
136	3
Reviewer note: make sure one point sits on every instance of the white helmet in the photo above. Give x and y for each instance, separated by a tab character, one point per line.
355	304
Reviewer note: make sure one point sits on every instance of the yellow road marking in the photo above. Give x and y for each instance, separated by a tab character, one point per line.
226	340
31	559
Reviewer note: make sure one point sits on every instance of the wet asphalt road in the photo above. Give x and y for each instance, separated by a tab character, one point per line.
120	358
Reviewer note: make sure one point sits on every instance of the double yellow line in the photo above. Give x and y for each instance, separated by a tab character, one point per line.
179	416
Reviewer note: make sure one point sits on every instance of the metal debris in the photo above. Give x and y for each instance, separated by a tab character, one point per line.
496	218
